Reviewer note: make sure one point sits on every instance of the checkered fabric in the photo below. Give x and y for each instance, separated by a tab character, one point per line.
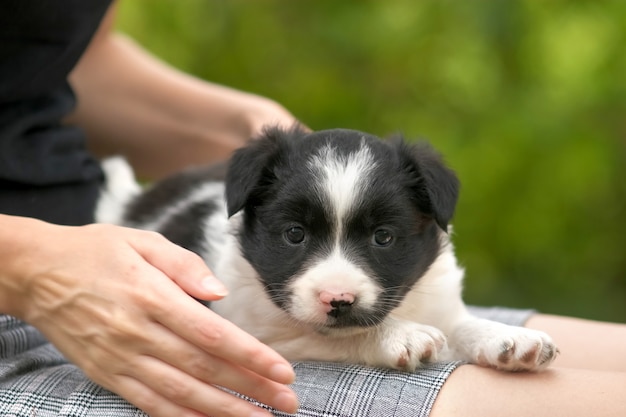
37	381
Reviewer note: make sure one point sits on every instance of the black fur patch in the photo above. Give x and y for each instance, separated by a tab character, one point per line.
184	228
170	190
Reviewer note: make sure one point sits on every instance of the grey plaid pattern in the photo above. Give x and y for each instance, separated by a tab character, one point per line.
335	390
37	381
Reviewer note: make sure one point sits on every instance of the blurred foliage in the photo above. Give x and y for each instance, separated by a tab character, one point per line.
527	101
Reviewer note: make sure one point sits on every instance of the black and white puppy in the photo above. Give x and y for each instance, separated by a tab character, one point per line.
334	246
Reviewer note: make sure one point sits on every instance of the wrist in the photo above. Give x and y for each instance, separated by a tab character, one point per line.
19	239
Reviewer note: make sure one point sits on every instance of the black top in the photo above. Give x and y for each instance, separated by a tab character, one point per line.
45	169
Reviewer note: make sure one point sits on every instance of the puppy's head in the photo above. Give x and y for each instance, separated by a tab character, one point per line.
339	224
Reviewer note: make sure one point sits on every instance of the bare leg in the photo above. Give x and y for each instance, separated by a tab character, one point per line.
472	391
584	343
586	379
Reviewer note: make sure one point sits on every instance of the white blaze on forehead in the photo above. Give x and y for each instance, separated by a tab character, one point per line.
342	177
340	180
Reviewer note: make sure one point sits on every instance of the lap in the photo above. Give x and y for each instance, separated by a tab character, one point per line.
35	379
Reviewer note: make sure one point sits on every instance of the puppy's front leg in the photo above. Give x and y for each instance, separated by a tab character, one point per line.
496	345
402	344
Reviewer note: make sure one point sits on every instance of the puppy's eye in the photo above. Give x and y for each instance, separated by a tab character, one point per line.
294	235
382	237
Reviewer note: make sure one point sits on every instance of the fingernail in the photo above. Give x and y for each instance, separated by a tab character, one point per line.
215	287
287	402
260	414
282	373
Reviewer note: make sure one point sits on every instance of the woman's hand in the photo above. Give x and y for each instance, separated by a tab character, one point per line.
117	303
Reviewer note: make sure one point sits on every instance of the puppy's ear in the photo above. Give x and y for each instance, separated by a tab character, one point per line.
435	187
251	168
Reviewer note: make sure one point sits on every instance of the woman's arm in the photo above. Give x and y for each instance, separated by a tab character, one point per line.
161	119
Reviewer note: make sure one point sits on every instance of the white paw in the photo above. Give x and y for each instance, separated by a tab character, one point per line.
405	345
516	349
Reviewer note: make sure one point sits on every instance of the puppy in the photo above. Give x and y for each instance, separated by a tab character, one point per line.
335	247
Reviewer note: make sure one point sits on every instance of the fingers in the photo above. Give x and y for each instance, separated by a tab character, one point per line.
182	266
170	392
152	381
147	399
214	370
200	326
181	372
212	333
175	397
201	345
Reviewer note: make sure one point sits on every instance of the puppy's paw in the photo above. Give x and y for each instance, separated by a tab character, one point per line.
405	345
516	349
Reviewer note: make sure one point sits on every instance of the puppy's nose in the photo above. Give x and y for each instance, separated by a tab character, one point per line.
336	304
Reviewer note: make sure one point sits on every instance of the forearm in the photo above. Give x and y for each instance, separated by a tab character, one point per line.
162	119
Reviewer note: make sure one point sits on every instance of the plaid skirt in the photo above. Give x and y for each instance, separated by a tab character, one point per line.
37	381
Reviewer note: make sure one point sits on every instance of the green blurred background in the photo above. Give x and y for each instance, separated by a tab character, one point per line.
526	99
